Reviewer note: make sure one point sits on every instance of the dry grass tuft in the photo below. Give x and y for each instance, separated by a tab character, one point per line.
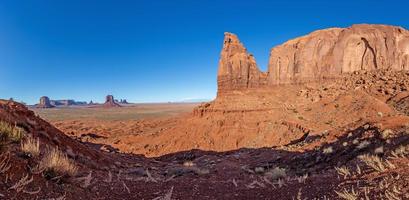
87	180
19	186
358	170
280	182
393	194
57	163
343	171
400	152
31	146
167	196
302	179
5	163
9	132
376	162
348	195
379	150
386	133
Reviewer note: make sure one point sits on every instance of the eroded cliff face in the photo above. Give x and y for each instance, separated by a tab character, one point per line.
237	68
322	54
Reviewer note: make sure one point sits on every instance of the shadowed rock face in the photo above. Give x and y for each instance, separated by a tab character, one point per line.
321	54
110	101
44	103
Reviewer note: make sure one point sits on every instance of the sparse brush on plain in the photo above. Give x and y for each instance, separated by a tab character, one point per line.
31	146
10	132
56	163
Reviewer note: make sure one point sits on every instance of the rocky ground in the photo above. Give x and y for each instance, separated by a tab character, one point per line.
339	139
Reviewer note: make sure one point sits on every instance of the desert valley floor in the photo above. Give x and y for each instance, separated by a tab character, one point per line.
289	133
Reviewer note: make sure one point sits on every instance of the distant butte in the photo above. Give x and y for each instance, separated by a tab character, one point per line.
44	103
110	102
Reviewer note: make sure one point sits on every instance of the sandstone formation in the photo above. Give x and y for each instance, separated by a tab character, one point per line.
44	103
123	101
237	68
110	102
67	102
322	54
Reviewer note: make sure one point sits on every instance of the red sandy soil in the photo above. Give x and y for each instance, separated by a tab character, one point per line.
232	147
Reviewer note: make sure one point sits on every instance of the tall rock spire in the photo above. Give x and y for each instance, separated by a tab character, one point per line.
237	68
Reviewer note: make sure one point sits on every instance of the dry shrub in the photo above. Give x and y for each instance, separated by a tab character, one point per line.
31	146
343	171
400	152
19	186
9	132
347	195
56	163
328	150
363	144
5	163
376	162
276	173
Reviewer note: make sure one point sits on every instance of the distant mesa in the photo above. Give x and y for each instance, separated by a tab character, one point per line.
44	103
67	102
123	101
110	102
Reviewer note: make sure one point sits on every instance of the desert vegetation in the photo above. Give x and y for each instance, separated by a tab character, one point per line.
10	132
31	146
56	163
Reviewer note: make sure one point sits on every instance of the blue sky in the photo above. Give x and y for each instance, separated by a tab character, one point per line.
152	51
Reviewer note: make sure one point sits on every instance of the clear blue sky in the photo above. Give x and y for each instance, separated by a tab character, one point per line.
152	51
